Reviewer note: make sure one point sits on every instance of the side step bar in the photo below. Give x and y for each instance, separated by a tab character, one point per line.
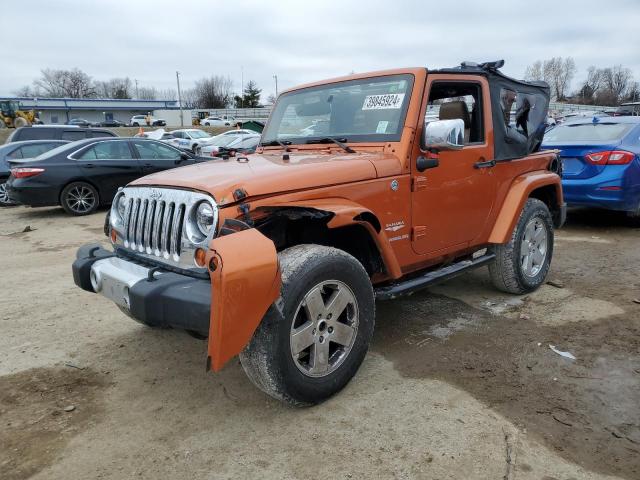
412	285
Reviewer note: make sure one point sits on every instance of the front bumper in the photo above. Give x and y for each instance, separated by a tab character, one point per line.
153	296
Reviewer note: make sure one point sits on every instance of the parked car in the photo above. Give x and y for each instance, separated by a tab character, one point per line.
189	138
222	121
600	162
83	175
141	121
112	123
241	146
225	140
628	109
80	122
20	150
279	257
57	132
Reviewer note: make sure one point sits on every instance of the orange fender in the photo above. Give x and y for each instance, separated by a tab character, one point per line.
515	199
345	212
245	281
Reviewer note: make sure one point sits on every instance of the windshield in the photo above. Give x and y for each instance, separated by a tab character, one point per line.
588	132
199	134
363	110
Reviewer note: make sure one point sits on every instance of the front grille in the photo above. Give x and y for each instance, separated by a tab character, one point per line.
159	224
154	226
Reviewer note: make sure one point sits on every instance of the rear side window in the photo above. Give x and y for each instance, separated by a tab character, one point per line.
108	151
34	133
73	135
588	132
100	134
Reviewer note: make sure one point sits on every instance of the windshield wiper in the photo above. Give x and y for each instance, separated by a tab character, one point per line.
273	143
339	142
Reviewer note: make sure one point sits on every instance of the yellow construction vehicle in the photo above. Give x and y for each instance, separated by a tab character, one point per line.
11	115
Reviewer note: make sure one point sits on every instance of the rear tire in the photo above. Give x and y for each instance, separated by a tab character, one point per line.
79	198
4	196
522	264
308	347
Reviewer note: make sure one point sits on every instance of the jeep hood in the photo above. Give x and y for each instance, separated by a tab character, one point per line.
269	174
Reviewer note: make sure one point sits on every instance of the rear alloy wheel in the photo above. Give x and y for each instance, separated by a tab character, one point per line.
80	198
313	339
522	264
5	201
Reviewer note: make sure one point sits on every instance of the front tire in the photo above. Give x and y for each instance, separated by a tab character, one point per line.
79	198
522	264
313	339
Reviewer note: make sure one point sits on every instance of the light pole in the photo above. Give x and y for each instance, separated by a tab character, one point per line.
275	77
180	99
241	87
137	94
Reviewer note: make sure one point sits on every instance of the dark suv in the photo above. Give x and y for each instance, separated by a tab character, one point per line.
57	132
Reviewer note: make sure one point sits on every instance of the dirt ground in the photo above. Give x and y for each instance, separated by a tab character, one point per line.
460	381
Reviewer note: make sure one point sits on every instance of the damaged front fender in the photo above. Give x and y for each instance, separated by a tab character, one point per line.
245	281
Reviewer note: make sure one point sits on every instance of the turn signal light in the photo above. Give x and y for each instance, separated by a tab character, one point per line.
114	236
610	157
24	172
200	257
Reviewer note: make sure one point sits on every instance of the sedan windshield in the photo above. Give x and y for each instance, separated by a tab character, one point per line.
199	134
588	132
363	110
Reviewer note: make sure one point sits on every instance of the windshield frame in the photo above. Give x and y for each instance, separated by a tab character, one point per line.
363	138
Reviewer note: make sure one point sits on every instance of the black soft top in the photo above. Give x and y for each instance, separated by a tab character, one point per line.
521	135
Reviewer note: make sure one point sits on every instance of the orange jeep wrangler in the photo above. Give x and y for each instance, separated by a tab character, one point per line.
363	188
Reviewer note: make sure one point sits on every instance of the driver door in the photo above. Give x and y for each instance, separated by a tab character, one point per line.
452	200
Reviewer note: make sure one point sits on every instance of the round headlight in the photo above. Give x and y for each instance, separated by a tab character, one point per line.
121	205
204	218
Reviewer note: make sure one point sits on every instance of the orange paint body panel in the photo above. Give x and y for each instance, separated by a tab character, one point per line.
243	286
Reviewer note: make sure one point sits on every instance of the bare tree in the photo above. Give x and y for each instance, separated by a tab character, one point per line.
27	91
534	71
617	80
558	73
65	83
148	93
213	92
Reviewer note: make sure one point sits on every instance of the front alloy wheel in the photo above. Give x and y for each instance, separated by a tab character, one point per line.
324	328
313	339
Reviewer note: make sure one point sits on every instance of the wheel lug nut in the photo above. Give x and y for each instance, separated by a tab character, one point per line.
313	331
330	330
329	316
321	339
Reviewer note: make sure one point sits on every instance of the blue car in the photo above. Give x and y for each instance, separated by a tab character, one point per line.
601	162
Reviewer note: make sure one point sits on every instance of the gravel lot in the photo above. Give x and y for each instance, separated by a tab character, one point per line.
460	382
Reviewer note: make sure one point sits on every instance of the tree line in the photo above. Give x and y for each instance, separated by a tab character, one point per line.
607	86
215	91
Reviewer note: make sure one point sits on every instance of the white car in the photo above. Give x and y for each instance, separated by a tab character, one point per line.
223	121
228	140
189	139
141	121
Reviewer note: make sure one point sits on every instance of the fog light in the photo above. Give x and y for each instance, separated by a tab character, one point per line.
200	257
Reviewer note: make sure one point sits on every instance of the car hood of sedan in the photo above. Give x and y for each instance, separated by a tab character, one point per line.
269	174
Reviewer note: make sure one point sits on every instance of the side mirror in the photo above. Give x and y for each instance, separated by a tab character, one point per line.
444	135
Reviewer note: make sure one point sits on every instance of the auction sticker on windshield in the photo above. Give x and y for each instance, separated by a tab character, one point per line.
382	102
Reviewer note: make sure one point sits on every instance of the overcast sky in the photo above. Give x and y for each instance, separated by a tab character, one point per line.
302	41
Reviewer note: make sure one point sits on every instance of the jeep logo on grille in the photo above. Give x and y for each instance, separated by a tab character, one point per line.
155	194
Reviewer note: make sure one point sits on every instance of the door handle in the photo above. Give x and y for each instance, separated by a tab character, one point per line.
485	164
423	163
89	165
